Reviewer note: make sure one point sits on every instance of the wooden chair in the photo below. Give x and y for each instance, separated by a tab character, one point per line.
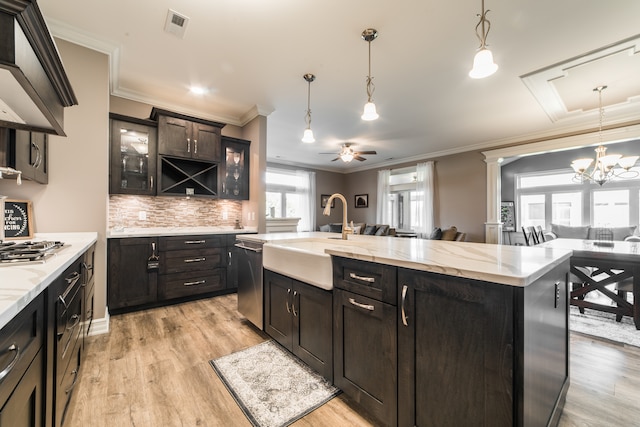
529	236
539	233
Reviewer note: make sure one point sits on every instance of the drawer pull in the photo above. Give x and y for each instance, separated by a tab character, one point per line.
194	242
286	302
197	282
293	304
76	320
362	278
13	362
195	259
365	306
75	380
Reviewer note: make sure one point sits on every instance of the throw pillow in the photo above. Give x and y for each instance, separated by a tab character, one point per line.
370	230
383	230
436	234
568	232
449	233
326	228
335	228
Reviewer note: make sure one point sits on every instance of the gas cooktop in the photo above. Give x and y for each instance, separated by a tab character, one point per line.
25	252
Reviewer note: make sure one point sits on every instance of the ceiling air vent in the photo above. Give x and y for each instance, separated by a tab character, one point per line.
176	23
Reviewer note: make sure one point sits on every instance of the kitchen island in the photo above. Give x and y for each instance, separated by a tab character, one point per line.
441	333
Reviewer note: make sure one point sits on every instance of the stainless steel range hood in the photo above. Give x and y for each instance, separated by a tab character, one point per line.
34	88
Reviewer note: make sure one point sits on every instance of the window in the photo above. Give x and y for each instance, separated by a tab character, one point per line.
611	208
566	208
532	208
291	194
403	199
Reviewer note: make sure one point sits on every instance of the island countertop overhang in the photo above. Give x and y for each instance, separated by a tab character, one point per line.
503	264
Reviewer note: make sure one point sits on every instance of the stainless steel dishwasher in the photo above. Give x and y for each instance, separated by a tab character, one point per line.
250	295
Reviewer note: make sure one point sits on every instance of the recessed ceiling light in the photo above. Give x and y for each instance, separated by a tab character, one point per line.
198	90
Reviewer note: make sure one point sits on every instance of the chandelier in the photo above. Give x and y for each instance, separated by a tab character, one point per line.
603	169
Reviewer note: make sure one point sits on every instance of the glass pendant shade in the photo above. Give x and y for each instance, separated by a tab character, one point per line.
369	112
483	65
347	157
627	162
308	136
581	165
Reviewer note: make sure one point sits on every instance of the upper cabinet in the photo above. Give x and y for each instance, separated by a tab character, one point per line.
187	137
235	169
25	152
34	89
133	156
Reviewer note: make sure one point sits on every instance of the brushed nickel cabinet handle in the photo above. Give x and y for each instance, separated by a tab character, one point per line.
194	242
13	362
365	306
188	145
293	304
286	302
75	380
197	282
151	182
195	259
405	319
76	320
195	146
362	278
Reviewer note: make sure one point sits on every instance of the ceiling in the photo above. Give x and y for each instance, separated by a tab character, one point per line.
251	55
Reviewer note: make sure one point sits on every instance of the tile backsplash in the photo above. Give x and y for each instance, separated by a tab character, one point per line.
127	211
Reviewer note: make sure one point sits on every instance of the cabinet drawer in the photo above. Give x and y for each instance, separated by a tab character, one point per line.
192	283
369	279
20	341
177	243
191	260
67	383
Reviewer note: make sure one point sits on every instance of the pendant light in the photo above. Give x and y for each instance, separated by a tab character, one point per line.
603	169
369	113
483	65
308	133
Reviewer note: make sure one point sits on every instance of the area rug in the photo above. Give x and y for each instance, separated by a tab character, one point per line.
603	325
272	386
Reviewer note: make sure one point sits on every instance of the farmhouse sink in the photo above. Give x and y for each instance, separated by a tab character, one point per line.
303	259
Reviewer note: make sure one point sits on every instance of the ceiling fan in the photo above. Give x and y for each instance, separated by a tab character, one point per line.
347	154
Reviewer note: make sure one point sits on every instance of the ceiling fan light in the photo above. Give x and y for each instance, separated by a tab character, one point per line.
369	112
483	65
307	137
346	157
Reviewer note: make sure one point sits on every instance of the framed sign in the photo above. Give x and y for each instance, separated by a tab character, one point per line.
323	201
18	219
508	216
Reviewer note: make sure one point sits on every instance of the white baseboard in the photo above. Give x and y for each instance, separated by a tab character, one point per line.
100	326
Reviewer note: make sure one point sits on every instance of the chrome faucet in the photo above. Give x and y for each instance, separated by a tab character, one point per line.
346	230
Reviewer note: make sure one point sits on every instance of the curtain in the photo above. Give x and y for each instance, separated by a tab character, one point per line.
306	188
424	199
383	210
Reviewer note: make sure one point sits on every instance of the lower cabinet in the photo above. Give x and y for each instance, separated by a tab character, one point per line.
129	280
24	407
479	353
298	316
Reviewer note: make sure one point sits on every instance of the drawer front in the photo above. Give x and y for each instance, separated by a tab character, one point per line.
191	260
68	381
193	283
178	243
20	340
370	279
69	329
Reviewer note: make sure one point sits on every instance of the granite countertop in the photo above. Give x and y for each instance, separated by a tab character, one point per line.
504	264
176	231
21	283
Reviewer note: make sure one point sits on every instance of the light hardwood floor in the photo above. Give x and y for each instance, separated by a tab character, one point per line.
152	370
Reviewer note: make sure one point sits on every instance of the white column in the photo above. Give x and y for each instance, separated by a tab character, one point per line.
493	226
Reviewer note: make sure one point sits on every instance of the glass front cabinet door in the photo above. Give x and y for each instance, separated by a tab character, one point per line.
235	171
132	155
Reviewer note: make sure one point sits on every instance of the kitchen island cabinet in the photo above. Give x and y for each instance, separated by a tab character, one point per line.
298	316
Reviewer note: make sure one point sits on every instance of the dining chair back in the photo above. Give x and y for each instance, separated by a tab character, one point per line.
539	233
530	238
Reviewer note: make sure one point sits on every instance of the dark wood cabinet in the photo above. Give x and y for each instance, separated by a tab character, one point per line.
132	156
299	316
27	152
234	170
365	336
130	282
478	353
24	407
187	137
88	284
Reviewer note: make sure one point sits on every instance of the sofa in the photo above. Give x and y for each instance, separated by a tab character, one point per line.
591	233
361	228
